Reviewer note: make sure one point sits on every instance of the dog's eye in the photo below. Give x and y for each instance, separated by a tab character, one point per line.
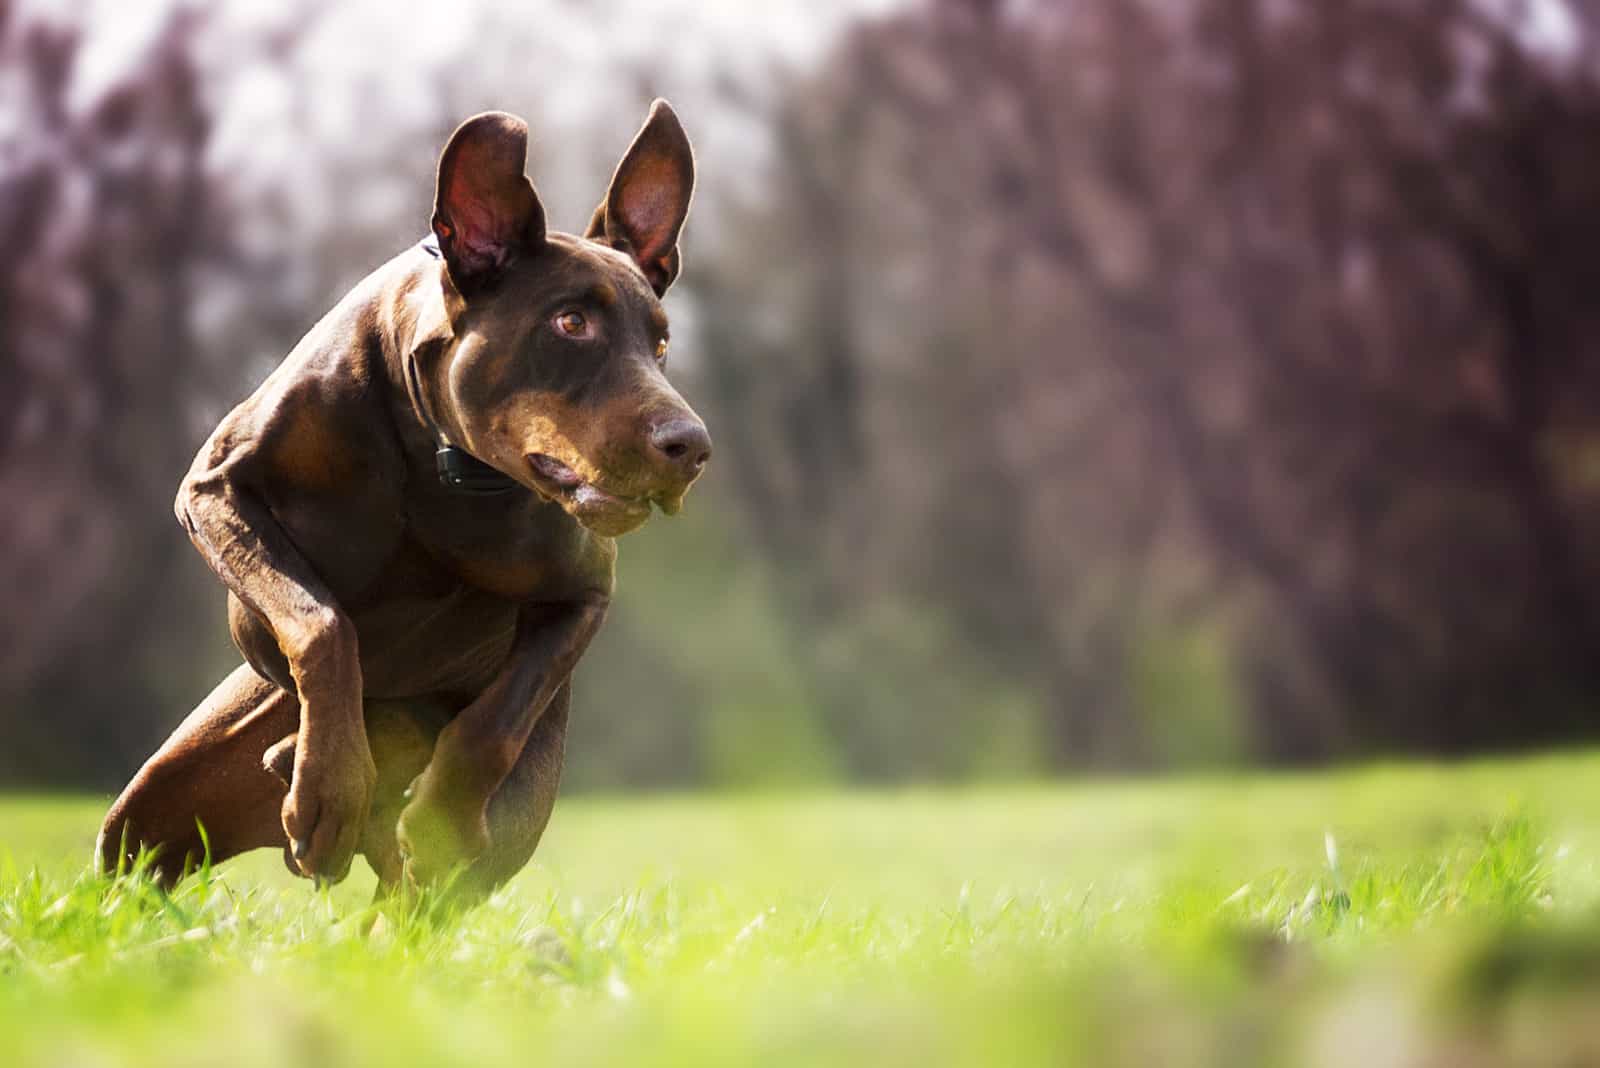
661	349
572	323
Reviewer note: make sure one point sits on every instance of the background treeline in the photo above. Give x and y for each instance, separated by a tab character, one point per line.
1095	383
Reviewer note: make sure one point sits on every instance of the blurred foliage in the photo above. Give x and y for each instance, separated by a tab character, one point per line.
1099	384
1092	326
108	218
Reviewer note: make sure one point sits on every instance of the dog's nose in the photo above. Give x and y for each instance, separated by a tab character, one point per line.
684	442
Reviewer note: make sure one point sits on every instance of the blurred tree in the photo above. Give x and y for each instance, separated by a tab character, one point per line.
1101	324
1104	382
105	217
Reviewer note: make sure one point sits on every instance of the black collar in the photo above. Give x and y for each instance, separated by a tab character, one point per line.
459	470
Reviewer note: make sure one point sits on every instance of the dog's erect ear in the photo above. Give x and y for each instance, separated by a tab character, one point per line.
485	212
643	212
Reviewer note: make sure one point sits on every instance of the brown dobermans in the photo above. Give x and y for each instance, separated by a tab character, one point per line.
414	517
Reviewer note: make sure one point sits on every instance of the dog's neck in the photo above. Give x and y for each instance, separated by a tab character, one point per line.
459	471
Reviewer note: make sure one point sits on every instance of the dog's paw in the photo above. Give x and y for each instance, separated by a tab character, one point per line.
439	838
325	811
279	760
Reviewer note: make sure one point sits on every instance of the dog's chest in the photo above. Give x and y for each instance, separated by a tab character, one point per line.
511	545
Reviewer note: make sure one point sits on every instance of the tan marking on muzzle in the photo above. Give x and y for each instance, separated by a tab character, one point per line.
539	431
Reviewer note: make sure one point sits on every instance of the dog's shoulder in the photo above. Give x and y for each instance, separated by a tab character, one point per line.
326	406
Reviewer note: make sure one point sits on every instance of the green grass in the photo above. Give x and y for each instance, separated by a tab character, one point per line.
1380	916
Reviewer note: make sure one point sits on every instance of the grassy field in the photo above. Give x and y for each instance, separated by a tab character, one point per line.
1397	915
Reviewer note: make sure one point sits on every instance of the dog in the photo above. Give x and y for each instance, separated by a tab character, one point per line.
415	518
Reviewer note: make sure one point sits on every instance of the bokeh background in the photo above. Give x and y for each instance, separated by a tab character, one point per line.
1097	384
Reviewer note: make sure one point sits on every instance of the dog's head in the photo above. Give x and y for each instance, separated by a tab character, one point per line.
552	367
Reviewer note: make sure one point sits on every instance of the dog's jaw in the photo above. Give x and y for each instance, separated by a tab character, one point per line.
608	514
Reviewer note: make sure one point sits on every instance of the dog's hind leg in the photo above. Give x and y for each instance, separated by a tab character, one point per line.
518	812
402	734
208	773
214	772
228	766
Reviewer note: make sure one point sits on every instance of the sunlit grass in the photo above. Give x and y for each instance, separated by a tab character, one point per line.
1391	915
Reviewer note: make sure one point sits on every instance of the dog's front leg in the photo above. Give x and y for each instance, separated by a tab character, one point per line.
331	790
445	825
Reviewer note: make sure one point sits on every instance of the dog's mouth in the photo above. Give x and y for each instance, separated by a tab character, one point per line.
603	511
